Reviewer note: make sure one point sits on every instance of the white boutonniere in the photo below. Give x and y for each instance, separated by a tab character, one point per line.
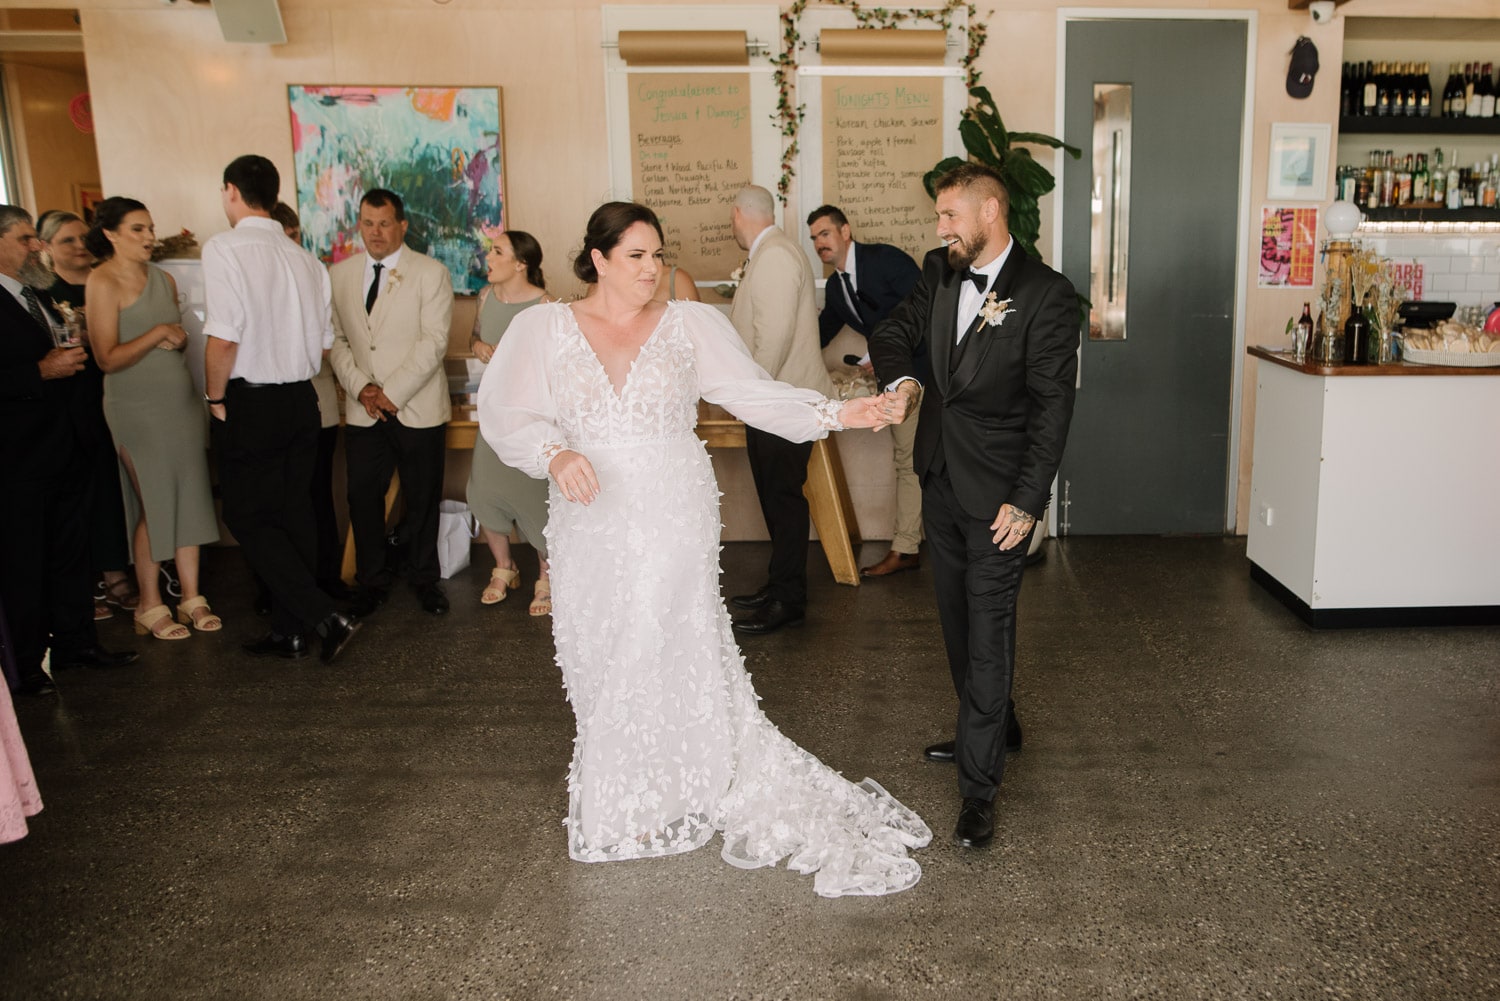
392	281
995	310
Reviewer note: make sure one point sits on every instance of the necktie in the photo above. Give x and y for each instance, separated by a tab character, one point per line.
981	282
853	299
34	307
374	289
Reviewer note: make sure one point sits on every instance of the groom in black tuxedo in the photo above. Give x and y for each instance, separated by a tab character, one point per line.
1001	330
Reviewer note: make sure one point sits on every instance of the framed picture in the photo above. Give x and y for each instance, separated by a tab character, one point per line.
1299	162
1288	246
439	148
85	197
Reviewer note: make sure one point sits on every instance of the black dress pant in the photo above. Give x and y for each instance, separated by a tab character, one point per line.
45	581
329	560
267	448
417	455
977	586
779	468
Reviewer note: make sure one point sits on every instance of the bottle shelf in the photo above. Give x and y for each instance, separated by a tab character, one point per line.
1420	126
1413	213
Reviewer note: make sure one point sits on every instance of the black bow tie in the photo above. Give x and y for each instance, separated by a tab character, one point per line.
981	281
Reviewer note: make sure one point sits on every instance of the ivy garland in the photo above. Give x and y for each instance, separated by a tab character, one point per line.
789	116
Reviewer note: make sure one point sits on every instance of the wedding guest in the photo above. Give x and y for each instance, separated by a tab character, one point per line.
602	397
500	495
154	414
63	250
46	453
994	421
869	280
268	327
679	285
392	309
774	313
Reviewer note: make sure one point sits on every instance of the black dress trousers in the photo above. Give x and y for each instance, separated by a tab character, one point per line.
417	455
779	468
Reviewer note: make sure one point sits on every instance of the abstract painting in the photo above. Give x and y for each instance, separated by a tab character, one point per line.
439	148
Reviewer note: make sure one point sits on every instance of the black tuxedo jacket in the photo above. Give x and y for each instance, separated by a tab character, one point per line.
885	276
996	411
43	422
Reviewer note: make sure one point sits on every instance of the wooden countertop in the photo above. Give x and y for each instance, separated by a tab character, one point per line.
1284	359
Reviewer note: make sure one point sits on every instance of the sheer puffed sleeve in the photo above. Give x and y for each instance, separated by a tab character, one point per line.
729	377
517	414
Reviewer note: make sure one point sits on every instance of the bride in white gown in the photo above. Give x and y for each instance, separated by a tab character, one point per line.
602	395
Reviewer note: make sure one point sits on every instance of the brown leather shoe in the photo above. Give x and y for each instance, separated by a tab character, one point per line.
894	562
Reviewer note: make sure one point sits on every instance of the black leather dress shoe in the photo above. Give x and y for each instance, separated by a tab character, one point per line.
434	600
976	823
943	750
337	630
35	683
366	601
770	617
750	602
95	656
276	645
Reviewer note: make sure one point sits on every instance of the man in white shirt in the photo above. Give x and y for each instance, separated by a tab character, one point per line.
269	323
392	309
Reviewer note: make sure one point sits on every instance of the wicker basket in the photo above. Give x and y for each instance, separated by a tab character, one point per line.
1488	359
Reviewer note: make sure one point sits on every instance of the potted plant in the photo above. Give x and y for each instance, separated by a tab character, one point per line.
990	143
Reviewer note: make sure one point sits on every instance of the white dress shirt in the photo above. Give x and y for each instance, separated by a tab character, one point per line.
853	281
14	288
387	265
269	296
970	299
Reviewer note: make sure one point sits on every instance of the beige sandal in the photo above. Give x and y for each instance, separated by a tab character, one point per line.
158	622
502	579
208	622
541	602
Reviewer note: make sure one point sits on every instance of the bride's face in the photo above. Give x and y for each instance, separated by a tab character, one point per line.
633	268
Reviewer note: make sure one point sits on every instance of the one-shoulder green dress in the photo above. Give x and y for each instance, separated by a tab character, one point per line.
156	416
499	494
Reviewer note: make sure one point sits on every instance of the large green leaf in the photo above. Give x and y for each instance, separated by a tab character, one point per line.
1023	172
1037	139
977	141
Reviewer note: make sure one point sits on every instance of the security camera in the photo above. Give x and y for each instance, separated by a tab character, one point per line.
1322	11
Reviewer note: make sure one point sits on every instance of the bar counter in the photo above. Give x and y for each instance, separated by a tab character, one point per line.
1375	491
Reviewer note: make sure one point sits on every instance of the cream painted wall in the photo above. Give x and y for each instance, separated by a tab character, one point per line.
173	103
52	157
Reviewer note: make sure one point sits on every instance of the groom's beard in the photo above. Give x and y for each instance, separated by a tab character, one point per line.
964	251
36	274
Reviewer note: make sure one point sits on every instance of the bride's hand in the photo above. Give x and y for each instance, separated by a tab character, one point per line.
574	475
862	412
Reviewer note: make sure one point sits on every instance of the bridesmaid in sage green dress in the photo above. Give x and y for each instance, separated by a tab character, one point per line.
154	412
497	494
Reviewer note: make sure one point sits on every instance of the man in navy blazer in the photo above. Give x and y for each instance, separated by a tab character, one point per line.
46	454
1001	331
869	280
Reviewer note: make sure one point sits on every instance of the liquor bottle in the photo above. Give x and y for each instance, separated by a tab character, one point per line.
1487	92
1419	179
1369	98
1438	183
1404	175
1302	337
1424	91
1455	185
1357	336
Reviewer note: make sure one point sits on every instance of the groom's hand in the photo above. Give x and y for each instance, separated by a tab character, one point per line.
896	404
1011	526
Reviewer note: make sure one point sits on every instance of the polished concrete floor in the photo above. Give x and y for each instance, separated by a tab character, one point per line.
1213	802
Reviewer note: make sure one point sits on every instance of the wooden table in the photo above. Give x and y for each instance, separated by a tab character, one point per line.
826	490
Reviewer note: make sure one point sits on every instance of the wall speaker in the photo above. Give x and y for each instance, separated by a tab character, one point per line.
257	21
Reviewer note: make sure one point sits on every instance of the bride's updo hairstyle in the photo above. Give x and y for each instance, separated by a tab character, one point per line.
606	228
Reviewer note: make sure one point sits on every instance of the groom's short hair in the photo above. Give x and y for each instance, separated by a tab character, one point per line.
978	179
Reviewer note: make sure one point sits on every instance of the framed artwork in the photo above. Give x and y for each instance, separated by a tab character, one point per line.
85	197
1288	246
439	148
1299	162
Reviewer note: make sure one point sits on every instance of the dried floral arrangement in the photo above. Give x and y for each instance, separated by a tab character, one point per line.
184	244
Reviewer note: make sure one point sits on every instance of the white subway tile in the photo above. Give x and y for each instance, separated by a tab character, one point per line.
1436	266
1492	264
1483	283
1467	265
1482	245
1447	283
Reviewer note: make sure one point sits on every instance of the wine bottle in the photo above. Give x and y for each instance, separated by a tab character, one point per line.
1453	91
1487	95
1383	91
1369	98
1472	97
1410	91
1302	337
1424	91
1357	336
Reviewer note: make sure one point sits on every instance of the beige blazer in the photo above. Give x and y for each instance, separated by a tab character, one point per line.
775	314
400	345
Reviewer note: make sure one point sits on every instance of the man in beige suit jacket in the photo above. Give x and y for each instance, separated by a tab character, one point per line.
774	312
392	309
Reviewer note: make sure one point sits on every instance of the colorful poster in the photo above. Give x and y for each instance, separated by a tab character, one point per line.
439	148
1288	247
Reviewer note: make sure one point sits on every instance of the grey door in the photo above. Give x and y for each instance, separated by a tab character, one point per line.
1149	446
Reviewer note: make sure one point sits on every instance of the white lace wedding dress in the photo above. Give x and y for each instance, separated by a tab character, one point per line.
671	744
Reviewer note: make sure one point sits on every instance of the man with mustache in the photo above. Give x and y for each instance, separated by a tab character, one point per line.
1001	330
